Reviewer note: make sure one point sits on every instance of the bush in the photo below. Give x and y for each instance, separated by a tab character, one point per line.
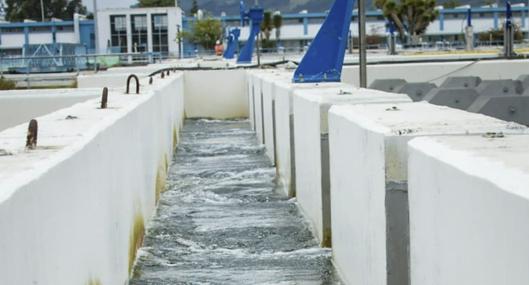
496	35
6	84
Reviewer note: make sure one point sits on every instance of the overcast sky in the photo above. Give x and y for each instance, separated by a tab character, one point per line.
108	3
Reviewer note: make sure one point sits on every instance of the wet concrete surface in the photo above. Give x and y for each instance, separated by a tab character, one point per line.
222	220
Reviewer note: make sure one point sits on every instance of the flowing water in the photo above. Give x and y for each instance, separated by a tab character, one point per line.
222	220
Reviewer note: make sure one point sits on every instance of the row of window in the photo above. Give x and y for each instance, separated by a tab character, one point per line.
46	29
159	26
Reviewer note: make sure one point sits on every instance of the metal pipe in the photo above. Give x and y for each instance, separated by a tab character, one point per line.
362	43
133	76
33	132
42	9
104	98
258	47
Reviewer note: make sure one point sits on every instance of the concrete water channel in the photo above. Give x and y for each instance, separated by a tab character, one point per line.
222	220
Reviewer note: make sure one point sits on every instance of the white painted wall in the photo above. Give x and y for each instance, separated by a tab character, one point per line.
468	210
19	106
268	83
438	72
284	93
310	108
67	208
219	94
368	151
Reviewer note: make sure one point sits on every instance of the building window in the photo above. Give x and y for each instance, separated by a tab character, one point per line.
118	33
160	41
139	33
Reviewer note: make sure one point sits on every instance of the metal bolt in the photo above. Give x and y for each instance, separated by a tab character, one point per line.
512	110
33	131
104	98
133	76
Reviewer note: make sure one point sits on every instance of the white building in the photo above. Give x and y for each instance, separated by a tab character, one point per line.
131	30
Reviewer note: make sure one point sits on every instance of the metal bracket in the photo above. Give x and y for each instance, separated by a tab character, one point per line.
256	16
233	41
324	60
133	76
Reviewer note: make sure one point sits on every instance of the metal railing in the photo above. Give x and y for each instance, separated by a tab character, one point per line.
73	63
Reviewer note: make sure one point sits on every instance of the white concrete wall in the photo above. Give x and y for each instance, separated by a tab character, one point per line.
310	108
19	106
219	94
285	150
438	72
68	208
368	154
468	210
268	83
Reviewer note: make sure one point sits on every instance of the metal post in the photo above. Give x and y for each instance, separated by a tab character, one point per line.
96	32
42	9
258	47
362	43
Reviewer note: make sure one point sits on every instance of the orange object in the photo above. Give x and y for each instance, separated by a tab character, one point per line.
219	49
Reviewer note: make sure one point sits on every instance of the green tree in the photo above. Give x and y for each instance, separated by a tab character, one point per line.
496	35
410	17
451	4
156	3
204	32
277	22
19	10
266	30
194	8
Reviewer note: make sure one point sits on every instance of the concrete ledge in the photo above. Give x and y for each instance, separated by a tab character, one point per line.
369	175
219	94
18	106
311	141
468	210
438	72
75	209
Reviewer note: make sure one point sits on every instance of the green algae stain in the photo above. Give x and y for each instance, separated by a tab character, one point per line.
327	239
94	281
175	137
136	238
161	177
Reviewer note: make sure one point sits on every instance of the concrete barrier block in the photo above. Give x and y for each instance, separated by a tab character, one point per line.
388	85
468	210
500	87
461	82
508	108
312	150
73	209
20	106
369	176
269	114
458	98
417	91
284	122
251	95
525	81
